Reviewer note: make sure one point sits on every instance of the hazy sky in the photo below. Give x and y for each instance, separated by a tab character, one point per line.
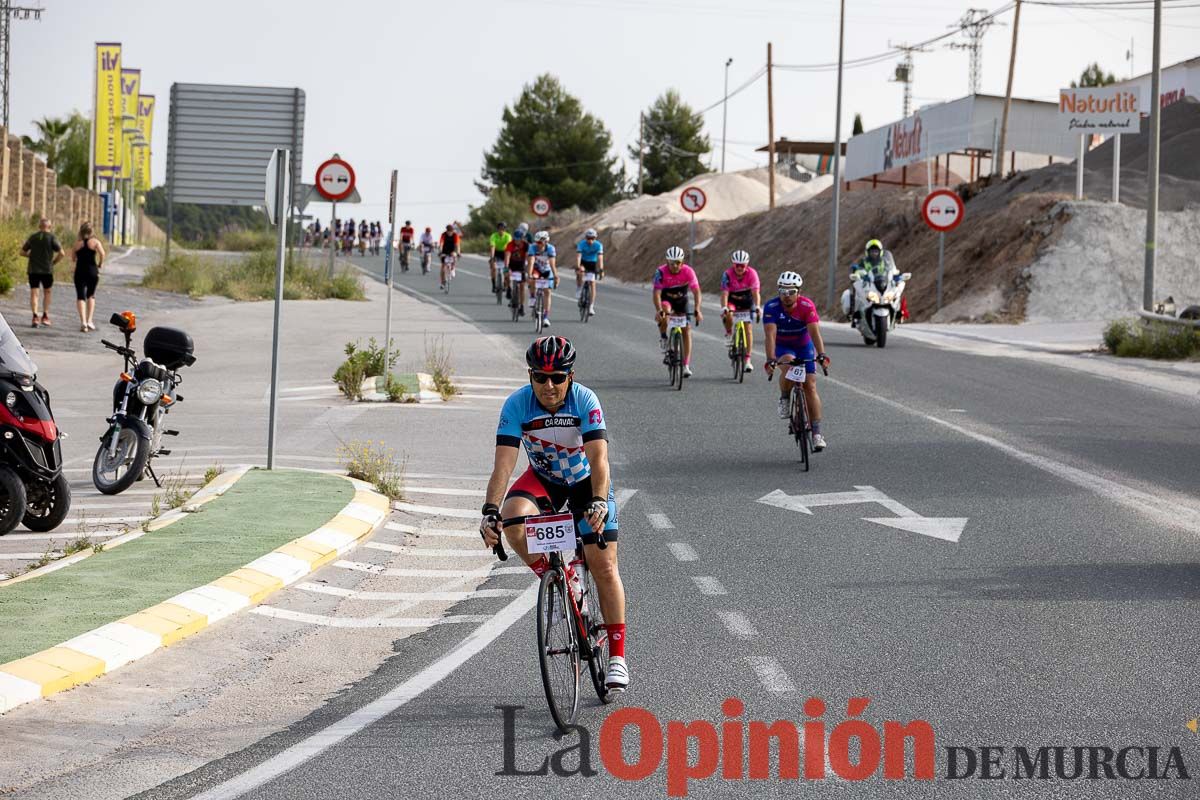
420	86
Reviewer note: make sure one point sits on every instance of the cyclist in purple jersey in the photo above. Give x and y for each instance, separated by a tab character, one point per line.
793	334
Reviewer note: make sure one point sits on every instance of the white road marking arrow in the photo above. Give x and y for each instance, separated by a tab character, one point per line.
946	528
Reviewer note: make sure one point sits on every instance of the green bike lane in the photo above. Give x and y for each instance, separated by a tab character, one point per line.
1047	623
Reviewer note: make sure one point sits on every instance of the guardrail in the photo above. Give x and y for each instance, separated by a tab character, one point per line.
1194	323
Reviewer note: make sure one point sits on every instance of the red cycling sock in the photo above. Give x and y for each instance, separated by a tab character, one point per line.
616	639
540	566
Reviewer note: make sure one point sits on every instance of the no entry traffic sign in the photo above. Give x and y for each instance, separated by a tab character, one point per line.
942	210
335	179
693	199
540	206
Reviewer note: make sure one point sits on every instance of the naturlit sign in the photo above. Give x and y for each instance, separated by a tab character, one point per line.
1106	109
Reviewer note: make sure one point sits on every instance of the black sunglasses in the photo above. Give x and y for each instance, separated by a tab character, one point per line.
557	378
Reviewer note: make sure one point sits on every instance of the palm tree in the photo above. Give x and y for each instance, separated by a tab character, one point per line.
53	133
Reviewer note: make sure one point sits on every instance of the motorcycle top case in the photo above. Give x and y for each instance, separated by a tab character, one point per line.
170	347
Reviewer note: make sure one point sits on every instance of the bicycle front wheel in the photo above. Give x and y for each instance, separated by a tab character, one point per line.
677	359
558	650
800	423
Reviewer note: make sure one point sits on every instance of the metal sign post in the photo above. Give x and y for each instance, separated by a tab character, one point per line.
942	211
693	199
1116	197
278	194
692	241
387	279
1079	166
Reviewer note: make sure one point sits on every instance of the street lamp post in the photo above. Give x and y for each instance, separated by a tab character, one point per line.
837	159
725	112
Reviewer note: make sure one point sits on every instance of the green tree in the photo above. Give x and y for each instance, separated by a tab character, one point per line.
858	125
52	133
202	226
502	205
549	146
1093	75
675	141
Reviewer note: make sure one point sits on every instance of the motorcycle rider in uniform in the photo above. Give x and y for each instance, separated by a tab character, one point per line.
875	261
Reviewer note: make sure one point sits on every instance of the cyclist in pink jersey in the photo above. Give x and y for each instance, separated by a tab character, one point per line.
672	283
740	291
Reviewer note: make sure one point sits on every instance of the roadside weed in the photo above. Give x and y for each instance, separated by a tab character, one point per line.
375	463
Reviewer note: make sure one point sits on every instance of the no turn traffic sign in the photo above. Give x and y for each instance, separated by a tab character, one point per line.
942	210
693	199
335	179
540	206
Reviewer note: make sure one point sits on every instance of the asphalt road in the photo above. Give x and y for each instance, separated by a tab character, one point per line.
1063	615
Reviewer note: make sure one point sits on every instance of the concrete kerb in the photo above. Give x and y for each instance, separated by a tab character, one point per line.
209	492
116	644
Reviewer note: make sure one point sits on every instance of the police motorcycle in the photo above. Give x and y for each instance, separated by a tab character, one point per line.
875	300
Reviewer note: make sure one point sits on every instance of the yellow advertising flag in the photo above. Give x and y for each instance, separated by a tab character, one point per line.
131	83
109	108
145	123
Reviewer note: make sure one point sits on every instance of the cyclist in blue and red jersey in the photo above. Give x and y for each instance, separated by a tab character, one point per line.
673	281
793	333
740	291
561	426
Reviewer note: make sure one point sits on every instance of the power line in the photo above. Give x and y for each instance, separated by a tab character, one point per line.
974	24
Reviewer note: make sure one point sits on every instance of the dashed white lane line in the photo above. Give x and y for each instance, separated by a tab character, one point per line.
771	674
683	551
437	511
363	594
371	713
708	585
442	490
737	624
660	522
367	622
455	534
409	550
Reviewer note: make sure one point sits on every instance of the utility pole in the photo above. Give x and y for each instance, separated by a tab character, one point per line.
770	129
641	147
837	160
998	156
974	25
725	112
1155	135
8	13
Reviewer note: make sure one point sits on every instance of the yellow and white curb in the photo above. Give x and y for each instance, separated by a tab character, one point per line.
116	644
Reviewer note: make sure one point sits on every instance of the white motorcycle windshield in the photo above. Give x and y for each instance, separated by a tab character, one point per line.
13	358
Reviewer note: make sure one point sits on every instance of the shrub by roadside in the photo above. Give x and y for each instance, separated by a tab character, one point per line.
1132	338
439	363
250	278
362	363
376	464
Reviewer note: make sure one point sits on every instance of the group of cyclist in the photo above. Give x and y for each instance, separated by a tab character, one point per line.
561	425
531	257
345	234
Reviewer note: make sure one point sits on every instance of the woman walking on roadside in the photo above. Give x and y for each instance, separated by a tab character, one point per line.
88	254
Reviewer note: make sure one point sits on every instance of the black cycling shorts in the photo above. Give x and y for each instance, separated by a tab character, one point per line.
741	301
591	266
678	303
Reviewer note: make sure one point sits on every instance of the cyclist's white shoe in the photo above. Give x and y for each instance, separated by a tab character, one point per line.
591	311
617	677
578	292
545	322
818	442
662	344
687	371
784	411
749	365
728	340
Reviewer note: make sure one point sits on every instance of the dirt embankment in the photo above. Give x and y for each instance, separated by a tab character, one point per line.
999	237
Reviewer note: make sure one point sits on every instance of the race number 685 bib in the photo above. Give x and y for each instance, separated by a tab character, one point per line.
550	533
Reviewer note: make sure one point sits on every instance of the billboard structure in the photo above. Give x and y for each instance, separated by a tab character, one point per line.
220	139
106	128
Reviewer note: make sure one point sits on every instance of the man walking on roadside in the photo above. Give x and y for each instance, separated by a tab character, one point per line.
43	251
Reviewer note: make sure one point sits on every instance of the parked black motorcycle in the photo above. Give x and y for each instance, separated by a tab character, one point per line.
33	489
142	397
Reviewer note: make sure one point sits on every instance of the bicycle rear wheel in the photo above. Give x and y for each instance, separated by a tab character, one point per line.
514	304
558	650
585	302
537	312
799	423
596	651
675	358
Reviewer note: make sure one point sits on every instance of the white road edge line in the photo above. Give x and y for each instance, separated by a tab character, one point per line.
356	721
